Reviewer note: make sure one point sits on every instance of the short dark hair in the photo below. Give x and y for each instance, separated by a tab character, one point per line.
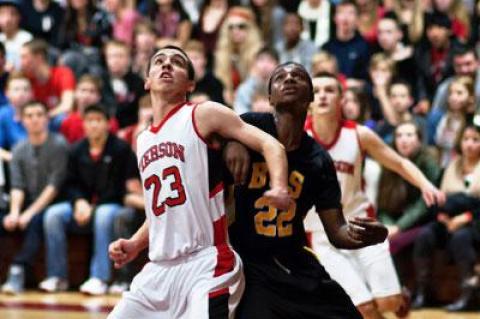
463	49
438	19
96	108
324	74
38	46
268	51
345	3
32	104
284	65
190	69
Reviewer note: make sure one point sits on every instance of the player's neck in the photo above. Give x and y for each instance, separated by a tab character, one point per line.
325	127
162	106
289	130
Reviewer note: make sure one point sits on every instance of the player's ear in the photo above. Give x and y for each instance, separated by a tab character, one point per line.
147	84
191	86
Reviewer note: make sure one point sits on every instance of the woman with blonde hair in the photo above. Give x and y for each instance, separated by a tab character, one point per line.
238	42
410	14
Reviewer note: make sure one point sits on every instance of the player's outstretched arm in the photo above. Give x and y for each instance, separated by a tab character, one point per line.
213	118
359	232
386	156
123	251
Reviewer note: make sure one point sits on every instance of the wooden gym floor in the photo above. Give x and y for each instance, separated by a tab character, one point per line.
73	305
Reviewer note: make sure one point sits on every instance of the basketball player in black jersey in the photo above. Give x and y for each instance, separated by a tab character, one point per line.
283	279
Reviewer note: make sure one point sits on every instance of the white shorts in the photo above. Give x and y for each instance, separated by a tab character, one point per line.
365	273
184	288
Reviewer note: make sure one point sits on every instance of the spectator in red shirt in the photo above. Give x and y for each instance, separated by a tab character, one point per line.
88	92
52	85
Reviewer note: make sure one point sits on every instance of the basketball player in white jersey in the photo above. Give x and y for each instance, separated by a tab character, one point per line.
193	273
367	274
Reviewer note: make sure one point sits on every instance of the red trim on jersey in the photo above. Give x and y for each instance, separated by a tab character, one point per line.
371	211
217	189
333	142
309	236
225	257
349	124
219	292
155	129
196	128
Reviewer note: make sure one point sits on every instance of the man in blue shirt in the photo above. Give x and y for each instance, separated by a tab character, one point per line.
19	92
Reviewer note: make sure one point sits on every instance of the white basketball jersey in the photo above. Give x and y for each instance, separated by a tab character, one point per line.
347	156
183	202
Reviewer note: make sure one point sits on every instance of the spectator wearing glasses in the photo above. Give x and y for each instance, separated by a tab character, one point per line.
238	43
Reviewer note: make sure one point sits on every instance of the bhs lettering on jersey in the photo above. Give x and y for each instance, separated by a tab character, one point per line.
260	177
156	152
344	167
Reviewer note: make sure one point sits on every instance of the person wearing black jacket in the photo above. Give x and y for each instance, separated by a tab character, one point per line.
101	167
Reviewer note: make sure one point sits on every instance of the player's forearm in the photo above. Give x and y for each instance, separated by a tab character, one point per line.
276	158
413	175
141	237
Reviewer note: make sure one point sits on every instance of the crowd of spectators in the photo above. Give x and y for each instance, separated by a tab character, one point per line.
72	100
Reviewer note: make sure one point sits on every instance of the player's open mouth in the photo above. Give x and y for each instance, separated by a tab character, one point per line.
166	75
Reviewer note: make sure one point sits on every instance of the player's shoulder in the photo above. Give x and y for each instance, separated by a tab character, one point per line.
264	121
312	148
315	153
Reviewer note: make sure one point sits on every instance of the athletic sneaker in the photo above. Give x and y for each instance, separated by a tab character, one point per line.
118	287
53	284
94	286
16	280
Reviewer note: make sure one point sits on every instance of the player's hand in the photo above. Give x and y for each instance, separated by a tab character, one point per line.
10	222
237	158
279	198
367	230
433	196
122	251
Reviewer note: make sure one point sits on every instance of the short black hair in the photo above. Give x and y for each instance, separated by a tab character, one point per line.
462	49
190	69
33	103
96	108
438	19
280	66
